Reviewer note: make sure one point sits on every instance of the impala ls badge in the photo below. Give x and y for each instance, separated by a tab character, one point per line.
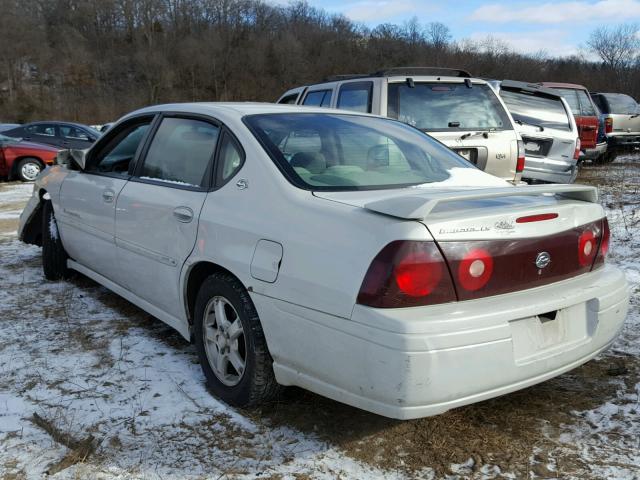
543	260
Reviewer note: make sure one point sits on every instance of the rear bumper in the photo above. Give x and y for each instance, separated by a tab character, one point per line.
593	153
623	142
415	362
546	169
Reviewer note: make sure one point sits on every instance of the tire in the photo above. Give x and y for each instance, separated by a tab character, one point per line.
28	169
54	256
222	295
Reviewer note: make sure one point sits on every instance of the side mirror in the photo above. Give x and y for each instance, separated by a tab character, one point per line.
78	157
73	159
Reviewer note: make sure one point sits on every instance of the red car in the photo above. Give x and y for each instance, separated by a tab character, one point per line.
24	160
584	111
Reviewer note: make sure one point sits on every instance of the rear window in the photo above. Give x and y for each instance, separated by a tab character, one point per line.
438	107
351	152
318	98
621	104
578	100
536	110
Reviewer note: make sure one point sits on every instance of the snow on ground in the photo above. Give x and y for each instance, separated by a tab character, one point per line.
92	387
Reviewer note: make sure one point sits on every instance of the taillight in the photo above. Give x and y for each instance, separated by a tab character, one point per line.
407	274
587	245
576	154
608	125
2	160
520	162
604	244
475	269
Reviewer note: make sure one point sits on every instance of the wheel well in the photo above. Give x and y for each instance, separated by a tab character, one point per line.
17	160
197	274
33	229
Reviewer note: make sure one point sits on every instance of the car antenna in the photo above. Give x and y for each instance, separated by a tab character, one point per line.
410	83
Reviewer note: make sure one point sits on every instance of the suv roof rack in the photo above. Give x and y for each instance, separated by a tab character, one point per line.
401	71
348	76
417	71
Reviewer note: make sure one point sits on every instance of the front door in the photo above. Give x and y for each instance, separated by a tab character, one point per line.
86	219
157	211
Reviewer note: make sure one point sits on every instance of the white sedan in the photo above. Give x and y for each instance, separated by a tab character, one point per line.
350	255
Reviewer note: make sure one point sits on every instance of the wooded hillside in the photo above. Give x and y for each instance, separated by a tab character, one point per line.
93	60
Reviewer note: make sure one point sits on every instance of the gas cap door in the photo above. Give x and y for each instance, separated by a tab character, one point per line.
265	264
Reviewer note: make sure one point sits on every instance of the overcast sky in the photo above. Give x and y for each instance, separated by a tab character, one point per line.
559	27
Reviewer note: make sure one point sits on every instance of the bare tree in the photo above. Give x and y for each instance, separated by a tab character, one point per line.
438	34
618	47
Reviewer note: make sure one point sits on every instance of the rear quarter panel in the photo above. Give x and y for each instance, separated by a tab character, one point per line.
327	246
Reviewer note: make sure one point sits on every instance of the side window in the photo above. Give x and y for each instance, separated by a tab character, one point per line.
74	133
586	106
181	151
116	156
289	99
230	159
356	96
318	98
43	129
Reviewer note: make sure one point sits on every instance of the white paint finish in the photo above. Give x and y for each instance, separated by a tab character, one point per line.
376	359
408	363
86	220
266	261
152	242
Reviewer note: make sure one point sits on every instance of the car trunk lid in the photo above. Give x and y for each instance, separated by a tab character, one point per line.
522	237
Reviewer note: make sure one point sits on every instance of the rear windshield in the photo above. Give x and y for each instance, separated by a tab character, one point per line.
536	110
621	103
351	152
578	100
441	107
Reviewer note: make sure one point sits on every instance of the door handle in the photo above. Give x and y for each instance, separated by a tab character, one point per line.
183	214
108	195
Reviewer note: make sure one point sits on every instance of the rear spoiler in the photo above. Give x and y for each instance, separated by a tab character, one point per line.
418	205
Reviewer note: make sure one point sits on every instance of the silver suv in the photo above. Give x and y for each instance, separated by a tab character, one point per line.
462	112
621	122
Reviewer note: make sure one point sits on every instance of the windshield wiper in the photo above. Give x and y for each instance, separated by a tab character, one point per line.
520	122
485	134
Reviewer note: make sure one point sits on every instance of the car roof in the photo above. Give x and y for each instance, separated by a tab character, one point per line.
239	108
574	86
57	122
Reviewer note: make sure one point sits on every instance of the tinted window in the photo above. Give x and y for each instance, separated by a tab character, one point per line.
68	131
601	103
356	96
118	153
230	159
181	151
349	152
41	129
621	104
447	106
318	98
536	110
289	99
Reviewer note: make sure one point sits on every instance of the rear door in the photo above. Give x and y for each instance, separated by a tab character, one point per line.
157	211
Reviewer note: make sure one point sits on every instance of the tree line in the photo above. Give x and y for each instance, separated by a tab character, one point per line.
94	60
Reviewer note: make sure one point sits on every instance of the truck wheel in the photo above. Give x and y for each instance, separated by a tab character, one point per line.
54	256
606	157
28	169
231	345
